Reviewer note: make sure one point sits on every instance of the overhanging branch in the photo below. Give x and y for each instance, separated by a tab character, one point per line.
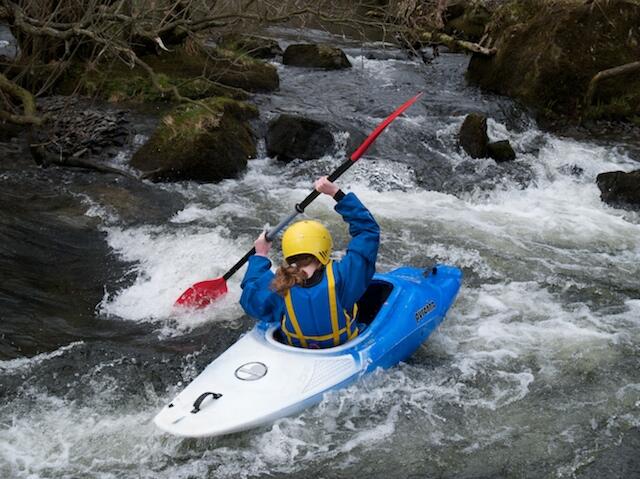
606	74
451	42
29	115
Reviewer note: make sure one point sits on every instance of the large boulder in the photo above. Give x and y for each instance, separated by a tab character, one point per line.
315	56
290	137
208	142
252	45
548	52
618	188
202	73
223	66
473	135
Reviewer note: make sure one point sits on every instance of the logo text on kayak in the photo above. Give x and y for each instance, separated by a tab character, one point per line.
426	309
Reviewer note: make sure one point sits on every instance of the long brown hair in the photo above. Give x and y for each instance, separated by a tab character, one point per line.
291	274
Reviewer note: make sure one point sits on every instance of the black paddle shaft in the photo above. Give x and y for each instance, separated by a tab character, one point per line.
299	209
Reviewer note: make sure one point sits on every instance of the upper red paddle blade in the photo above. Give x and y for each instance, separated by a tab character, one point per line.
380	128
203	293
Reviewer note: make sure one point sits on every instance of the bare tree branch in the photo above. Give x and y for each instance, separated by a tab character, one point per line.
606	74
452	42
30	116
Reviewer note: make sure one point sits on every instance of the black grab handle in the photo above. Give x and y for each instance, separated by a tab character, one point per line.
203	396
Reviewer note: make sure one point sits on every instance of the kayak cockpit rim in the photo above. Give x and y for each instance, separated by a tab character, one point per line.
382	292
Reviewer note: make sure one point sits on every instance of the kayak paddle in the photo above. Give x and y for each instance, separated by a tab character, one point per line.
203	293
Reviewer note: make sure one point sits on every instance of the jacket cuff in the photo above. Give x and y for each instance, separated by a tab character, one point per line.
339	195
261	262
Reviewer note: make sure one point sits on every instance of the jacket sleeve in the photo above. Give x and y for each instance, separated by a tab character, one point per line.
257	299
357	267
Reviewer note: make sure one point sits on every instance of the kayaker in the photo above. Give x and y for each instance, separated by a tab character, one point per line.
313	297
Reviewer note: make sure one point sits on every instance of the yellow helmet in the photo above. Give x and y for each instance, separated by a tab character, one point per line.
310	237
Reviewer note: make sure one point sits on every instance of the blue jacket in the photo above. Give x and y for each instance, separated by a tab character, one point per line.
351	275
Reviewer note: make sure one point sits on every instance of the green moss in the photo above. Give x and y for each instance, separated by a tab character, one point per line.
548	52
618	109
202	74
234	69
116	84
190	120
210	142
251	45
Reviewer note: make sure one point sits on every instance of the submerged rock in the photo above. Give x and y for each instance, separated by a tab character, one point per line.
548	52
618	188
204	143
473	135
253	45
290	137
501	151
315	56
438	173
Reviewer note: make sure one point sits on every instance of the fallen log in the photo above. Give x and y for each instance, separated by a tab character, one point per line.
451	42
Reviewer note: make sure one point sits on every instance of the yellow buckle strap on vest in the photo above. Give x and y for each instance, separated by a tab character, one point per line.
351	333
324	337
333	304
294	321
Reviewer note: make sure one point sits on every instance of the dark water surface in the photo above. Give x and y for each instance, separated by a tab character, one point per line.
535	373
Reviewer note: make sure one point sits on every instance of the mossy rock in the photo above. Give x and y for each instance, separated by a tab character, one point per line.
117	83
202	73
220	65
315	56
547	53
207	142
252	45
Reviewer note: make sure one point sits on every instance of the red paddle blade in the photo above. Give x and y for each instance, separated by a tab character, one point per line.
203	293
380	128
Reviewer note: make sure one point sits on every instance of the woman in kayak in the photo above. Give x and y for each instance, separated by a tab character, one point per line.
313	297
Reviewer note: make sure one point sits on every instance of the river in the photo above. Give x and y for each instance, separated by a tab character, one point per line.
534	373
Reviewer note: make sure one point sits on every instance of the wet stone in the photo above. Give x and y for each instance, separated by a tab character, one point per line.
473	135
315	56
290	137
501	151
618	188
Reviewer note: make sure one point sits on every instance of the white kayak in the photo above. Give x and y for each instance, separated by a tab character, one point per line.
259	379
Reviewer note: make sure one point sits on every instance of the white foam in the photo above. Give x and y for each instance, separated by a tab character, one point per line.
166	262
13	365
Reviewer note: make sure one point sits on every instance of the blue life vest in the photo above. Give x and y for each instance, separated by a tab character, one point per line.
305	322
